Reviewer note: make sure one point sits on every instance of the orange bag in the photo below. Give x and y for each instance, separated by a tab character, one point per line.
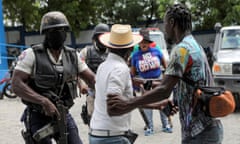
217	101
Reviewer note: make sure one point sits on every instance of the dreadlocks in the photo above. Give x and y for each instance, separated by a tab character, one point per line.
181	15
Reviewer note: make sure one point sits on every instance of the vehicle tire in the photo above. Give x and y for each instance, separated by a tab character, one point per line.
7	91
1	95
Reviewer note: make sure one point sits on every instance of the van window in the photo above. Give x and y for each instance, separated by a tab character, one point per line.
230	39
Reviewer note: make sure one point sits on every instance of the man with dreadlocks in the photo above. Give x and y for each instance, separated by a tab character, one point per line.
187	64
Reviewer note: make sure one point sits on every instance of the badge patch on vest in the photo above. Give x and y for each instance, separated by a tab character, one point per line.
22	55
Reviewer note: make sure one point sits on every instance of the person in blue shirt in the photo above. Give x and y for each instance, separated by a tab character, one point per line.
146	63
151	45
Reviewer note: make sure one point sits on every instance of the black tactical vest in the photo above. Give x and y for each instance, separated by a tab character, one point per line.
55	81
94	58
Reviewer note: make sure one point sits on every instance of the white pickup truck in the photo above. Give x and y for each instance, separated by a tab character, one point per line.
226	57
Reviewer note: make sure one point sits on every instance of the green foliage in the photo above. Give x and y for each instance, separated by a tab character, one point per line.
82	13
128	11
163	4
207	13
24	12
85	13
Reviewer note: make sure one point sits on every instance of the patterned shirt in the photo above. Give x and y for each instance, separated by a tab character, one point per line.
187	61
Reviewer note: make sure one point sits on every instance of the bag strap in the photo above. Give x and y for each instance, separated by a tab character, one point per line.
197	91
199	83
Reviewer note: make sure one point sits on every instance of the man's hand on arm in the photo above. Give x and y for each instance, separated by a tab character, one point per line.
162	105
118	106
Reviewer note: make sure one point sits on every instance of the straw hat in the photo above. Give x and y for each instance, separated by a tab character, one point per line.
120	37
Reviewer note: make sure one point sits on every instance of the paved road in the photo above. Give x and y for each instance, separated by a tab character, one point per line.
10	126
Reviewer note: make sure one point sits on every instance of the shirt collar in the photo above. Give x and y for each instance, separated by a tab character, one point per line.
116	57
52	58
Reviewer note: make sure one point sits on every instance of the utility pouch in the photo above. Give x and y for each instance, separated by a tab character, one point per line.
167	110
131	136
27	137
147	85
84	115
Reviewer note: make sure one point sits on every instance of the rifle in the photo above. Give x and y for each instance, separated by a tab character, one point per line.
62	123
58	126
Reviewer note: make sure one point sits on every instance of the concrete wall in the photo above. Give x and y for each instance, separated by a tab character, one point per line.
205	38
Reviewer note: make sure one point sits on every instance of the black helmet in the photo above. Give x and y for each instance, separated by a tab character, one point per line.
52	20
99	29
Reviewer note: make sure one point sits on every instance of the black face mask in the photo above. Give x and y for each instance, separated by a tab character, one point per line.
55	38
98	44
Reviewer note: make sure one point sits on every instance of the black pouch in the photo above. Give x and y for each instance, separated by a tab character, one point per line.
167	110
84	115
27	137
131	136
147	85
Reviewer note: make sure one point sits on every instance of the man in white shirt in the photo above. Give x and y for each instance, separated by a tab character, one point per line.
113	78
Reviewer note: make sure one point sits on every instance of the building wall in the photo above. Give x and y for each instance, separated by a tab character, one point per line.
19	37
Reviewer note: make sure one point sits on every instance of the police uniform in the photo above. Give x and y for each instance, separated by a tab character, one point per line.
94	55
47	74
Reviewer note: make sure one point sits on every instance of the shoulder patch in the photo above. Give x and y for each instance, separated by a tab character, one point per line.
22	55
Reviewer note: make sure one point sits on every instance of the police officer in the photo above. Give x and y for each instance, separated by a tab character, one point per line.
96	53
47	74
93	55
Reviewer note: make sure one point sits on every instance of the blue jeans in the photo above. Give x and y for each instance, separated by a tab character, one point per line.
108	140
38	120
213	134
163	117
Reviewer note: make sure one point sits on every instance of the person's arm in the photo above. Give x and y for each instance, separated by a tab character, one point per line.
118	106
89	77
164	62
133	71
174	72
21	89
84	72
162	105
82	86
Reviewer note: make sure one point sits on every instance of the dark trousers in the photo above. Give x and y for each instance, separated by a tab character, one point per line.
213	134
37	120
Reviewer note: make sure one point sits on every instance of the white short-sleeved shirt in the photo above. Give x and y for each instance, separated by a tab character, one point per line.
113	77
26	61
